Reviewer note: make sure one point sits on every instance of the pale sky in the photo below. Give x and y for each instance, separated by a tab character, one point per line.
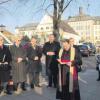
20	12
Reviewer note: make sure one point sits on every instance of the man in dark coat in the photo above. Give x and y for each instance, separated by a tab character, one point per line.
18	64
68	88
51	50
5	59
34	54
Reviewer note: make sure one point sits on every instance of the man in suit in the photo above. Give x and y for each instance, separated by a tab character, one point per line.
50	50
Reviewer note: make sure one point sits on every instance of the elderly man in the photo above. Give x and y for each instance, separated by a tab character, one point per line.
5	59
18	64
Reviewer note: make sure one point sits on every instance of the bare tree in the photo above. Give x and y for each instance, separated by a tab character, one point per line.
59	8
3	2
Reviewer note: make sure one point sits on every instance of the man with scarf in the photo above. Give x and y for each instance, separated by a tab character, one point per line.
68	88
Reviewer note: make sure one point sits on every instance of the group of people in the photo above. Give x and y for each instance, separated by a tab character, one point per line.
63	62
22	65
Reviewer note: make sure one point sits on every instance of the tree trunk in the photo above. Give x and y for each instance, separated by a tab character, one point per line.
58	9
55	20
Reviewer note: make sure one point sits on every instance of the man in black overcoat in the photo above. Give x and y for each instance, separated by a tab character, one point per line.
5	59
50	50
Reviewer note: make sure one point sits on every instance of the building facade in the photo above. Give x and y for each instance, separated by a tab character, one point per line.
45	27
87	27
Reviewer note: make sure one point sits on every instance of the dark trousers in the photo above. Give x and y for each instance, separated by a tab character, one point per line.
52	76
98	74
34	78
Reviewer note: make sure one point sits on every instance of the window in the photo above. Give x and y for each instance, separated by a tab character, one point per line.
88	33
51	27
96	37
41	28
47	27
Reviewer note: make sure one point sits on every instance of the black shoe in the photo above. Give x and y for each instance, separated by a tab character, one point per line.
55	86
23	86
98	79
32	86
49	86
9	92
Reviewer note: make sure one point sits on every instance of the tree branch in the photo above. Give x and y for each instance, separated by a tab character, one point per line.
43	2
66	5
3	2
49	6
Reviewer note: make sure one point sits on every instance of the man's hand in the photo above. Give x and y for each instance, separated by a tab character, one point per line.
69	63
59	60
63	63
50	53
36	58
19	60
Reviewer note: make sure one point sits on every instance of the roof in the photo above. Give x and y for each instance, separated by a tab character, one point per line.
6	37
6	32
83	17
79	18
66	28
29	26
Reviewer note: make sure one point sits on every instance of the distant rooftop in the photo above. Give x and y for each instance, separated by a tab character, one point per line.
82	17
29	26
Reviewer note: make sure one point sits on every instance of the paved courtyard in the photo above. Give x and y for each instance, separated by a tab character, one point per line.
89	87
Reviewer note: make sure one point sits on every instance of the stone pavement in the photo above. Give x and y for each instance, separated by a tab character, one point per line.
89	87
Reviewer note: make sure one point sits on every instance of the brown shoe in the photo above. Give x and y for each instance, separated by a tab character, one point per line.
19	91
2	93
38	86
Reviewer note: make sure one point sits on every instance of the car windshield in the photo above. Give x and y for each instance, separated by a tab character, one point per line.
89	44
83	47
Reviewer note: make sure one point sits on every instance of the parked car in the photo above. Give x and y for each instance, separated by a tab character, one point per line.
92	47
84	49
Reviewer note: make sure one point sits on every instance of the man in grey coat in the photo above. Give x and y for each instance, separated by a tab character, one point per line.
18	64
34	54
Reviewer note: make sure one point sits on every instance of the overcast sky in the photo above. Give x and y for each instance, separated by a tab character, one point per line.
20	12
